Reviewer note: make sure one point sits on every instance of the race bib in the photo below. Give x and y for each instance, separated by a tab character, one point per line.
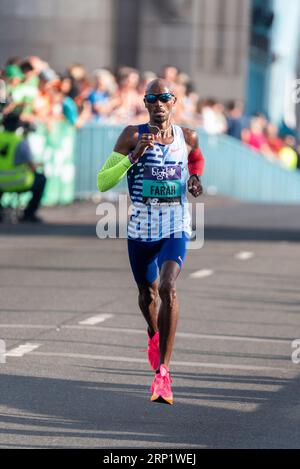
162	185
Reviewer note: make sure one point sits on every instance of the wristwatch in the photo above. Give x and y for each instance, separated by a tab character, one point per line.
197	176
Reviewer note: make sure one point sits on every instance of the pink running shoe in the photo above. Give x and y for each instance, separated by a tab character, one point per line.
161	387
153	351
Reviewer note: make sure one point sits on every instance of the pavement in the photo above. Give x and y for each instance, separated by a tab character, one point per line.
76	373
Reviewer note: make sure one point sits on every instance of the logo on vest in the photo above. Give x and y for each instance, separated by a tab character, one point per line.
163	173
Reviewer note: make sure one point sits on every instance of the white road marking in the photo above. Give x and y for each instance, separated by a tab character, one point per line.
184	335
244	255
202	273
26	326
109	358
96	319
22	350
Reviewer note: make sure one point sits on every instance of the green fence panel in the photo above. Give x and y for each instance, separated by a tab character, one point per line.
54	148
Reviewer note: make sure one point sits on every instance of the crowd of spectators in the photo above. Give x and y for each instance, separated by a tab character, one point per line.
39	94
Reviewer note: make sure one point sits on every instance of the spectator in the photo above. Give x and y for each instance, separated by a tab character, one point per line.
20	171
101	102
146	77
42	106
274	141
31	75
170	73
66	107
127	94
38	64
255	137
288	155
14	77
236	120
190	100
213	118
25	91
80	83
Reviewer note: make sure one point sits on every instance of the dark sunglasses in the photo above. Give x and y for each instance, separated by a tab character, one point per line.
162	97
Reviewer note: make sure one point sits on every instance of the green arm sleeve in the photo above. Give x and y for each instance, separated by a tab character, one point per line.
113	170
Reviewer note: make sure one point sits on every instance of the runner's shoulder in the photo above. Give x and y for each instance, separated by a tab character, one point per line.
130	133
190	136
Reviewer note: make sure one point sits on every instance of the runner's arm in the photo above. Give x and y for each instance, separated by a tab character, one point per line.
117	165
195	162
195	157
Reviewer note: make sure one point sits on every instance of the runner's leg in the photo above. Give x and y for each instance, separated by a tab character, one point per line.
170	262
148	302
169	309
143	261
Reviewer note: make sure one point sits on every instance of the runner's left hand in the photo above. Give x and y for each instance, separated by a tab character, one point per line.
194	186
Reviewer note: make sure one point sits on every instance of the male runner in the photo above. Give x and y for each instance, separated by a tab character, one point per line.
161	161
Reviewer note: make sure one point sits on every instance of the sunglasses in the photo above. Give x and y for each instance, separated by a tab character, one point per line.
162	97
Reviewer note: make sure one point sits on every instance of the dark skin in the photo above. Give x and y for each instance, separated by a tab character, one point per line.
165	320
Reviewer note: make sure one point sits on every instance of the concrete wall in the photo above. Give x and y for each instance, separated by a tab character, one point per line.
60	31
165	35
208	39
221	47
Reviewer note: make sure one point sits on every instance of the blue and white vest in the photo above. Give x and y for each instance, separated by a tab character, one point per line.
157	187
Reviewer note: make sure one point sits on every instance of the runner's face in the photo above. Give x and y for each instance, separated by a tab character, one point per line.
160	112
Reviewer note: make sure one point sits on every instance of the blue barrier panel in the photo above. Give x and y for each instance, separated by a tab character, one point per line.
94	144
231	168
237	171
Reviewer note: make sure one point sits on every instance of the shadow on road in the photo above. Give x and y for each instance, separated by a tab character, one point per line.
49	229
122	415
221	233
212	233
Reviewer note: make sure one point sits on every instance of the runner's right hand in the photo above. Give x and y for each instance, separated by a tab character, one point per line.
146	141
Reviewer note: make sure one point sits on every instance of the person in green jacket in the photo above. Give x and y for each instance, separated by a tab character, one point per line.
17	169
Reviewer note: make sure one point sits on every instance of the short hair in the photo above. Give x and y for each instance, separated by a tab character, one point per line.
11	122
26	66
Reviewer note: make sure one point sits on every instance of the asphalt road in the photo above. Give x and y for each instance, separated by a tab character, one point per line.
75	381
